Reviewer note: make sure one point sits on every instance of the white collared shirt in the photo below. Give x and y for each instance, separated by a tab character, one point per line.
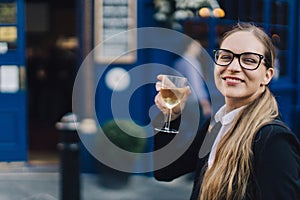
226	120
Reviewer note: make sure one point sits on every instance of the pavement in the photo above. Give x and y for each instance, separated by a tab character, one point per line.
20	181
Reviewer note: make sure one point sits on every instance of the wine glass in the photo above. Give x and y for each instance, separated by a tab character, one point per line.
172	91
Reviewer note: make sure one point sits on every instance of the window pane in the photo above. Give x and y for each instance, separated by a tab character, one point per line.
230	7
8	13
198	30
279	38
279	14
281	62
243	10
220	30
257	10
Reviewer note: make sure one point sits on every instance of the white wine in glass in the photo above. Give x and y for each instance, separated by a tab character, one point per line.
172	91
172	96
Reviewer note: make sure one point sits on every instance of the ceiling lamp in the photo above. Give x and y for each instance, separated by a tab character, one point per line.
172	11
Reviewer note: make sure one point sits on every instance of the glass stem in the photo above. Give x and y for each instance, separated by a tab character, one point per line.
169	119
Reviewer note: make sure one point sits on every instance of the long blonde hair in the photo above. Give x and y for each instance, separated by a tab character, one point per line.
230	173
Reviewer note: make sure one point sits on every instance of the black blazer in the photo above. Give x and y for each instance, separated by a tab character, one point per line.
276	162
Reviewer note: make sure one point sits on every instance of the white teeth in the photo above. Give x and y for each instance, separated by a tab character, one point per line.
233	80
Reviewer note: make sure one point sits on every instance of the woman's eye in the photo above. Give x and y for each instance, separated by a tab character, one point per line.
225	57
249	60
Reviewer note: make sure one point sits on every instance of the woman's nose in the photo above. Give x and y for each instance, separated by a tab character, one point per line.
234	65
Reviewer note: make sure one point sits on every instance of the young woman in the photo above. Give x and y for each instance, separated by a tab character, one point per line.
255	155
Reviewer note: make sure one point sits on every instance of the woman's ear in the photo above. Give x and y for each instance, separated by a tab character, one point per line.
268	76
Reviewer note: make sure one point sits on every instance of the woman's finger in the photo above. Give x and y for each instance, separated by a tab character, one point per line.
159	77
158	86
160	104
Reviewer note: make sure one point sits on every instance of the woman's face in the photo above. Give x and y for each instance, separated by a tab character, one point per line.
240	86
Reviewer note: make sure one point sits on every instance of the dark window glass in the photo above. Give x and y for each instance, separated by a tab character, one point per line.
198	30
279	38
279	14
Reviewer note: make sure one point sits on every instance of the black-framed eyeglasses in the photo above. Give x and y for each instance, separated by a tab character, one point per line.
247	60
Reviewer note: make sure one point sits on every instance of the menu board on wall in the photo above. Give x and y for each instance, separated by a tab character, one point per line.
113	18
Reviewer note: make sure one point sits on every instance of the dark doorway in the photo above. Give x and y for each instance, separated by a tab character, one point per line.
51	48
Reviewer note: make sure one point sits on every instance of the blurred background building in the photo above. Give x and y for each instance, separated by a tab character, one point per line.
50	39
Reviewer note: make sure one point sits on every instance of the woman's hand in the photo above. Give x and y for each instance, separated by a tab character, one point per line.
176	111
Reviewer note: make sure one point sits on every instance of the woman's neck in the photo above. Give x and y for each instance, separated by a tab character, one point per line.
232	106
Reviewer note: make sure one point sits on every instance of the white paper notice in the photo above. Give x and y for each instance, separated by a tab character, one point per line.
9	78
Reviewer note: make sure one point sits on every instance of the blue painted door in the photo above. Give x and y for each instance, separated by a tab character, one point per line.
13	105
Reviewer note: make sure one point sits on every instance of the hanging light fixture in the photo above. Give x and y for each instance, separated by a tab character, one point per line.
171	12
217	11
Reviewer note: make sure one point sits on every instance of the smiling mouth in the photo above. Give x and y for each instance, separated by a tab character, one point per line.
232	80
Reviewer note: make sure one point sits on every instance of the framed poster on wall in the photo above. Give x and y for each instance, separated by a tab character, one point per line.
113	19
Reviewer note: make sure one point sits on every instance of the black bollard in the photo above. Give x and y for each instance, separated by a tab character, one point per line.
69	158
